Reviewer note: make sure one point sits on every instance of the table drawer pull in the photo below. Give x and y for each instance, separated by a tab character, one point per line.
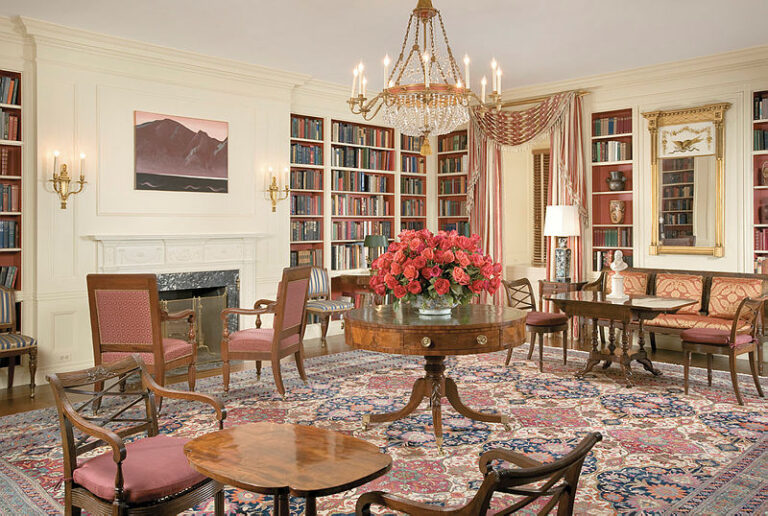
482	340
426	342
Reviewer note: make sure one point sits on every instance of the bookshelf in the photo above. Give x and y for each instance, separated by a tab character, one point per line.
760	179
677	199
611	143
307	187
10	179
452	178
413	184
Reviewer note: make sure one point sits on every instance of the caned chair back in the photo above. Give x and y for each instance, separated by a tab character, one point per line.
520	294
745	320
319	284
125	314
290	306
7	309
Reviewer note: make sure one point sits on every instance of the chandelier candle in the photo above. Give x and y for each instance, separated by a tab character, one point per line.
466	70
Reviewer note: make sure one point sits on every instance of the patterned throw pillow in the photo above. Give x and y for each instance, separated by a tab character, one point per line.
635	283
681	286
726	294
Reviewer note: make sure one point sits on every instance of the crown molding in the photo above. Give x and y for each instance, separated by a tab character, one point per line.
47	35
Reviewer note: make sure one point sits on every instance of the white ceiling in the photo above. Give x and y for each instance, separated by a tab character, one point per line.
535	41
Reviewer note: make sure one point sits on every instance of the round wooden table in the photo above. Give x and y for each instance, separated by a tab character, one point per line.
469	330
279	460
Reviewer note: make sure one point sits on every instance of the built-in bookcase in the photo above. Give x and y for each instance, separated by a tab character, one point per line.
452	178
760	175
413	184
10	179
611	156
307	187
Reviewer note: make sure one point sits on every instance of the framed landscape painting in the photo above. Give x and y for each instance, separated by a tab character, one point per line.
180	154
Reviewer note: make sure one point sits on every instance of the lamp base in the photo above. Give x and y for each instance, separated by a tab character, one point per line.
562	261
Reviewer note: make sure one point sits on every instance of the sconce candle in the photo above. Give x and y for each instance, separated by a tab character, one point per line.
61	179
273	189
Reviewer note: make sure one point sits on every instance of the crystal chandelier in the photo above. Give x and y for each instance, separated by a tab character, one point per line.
425	93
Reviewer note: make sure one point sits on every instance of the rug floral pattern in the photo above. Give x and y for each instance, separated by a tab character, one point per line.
659	444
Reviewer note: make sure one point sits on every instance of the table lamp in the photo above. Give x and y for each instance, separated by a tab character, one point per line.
374	242
562	222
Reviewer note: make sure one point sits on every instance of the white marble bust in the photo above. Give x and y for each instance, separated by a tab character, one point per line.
618	264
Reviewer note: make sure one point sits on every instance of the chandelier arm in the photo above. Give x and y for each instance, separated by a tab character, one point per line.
451	59
402	54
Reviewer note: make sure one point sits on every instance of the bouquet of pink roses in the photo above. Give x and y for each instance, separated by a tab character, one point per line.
423	268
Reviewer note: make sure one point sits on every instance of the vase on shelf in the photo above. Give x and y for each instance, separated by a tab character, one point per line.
434	307
617	210
616	180
764	173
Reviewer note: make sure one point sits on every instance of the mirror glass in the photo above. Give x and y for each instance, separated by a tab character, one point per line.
687	201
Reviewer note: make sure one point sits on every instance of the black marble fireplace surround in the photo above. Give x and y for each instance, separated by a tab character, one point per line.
230	280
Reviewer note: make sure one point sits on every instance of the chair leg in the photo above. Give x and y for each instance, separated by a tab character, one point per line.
299	355
541	353
734	376
258	369
686	366
225	374
160	379
602	335
32	371
191	376
11	370
509	355
278	376
218	503
709	369
755	376
533	344
97	386
653	341
565	347
324	323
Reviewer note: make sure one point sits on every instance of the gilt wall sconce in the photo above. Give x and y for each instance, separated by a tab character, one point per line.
274	190
62	181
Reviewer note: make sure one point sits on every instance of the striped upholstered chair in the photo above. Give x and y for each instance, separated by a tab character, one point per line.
319	301
12	343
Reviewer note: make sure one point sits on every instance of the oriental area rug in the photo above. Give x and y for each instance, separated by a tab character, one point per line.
662	452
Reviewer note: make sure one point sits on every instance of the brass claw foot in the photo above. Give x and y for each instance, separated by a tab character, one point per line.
505	422
366	422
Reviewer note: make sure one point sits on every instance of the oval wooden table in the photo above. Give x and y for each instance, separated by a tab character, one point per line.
279	460
469	330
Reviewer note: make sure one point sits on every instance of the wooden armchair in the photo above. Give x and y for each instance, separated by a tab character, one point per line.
13	344
283	339
126	318
144	476
320	303
561	479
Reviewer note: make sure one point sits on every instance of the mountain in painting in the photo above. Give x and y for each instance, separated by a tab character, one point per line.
166	147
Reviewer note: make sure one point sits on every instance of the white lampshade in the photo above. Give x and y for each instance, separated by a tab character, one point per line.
562	221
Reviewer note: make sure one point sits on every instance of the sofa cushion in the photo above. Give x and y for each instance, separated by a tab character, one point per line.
726	294
635	283
153	468
685	321
713	336
681	286
545	319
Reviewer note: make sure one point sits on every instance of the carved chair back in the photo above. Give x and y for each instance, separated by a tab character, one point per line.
520	294
746	318
125	314
290	320
7	309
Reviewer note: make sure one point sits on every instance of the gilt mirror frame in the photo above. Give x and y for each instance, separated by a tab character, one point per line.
715	114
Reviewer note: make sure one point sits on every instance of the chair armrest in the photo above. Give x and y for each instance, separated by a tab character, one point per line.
242	311
184	314
218	406
506	455
264	304
108	436
396	503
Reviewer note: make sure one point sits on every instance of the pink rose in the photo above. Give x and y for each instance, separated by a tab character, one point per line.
414	244
493	285
380	289
426	272
420	262
428	253
436	271
400	256
446	257
410	272
487	270
477	286
442	286
464	242
462	258
414	287
460	276
476	259
396	269
399	291
391	281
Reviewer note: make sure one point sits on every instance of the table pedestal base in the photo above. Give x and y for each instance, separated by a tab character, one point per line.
435	386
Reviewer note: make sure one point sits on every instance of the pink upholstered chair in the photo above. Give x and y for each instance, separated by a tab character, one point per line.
126	318
283	339
741	338
148	475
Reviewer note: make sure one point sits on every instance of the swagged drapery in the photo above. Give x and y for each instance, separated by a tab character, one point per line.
560	114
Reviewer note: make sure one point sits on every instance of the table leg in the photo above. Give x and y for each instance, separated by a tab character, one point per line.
419	392
641	356
625	358
611	344
281	505
310	508
594	355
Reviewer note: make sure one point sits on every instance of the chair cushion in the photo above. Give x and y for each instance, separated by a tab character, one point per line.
681	286
545	319
257	340
635	283
714	336
726	294
153	468
13	341
173	349
329	305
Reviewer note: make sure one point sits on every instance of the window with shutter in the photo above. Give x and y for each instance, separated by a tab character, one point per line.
540	192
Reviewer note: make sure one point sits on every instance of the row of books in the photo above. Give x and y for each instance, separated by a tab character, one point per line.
611	151
9	90
677	165
677	218
451	208
461	227
760	106
761	240
304	204
303	230
455	142
306	179
677	204
760	139
412	185
603	258
306	154
453	165
369	205
761	265
413	164
349	181
10	197
674	178
307	128
9	234
678	191
10	161
9	125
675	234
358	230
353	157
307	257
347	256
359	135
413	225
8	276
619	237
607	126
456	185
410	143
413	208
